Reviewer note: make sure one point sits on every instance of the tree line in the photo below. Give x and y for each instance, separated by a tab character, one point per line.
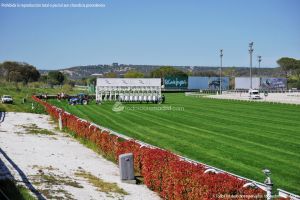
25	73
291	68
18	72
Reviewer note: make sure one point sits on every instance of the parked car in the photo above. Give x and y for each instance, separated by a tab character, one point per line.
254	94
6	99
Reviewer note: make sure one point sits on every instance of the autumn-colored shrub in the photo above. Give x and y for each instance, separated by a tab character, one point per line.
163	171
130	146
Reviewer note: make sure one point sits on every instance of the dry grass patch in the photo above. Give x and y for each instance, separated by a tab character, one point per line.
51	184
55	180
34	129
100	184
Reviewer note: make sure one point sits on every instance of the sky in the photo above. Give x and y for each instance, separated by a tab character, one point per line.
153	32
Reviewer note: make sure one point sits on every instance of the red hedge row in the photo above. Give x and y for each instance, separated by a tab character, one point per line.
163	171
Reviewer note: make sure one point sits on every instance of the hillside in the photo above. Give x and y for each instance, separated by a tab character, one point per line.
78	72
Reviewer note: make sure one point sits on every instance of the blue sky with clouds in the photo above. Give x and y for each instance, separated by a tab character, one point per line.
168	32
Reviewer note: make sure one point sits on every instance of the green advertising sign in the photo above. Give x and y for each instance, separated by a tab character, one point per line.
180	82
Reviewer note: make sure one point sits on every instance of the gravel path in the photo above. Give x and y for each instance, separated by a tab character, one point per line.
55	166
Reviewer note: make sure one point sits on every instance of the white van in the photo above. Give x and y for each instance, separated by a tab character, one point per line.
254	94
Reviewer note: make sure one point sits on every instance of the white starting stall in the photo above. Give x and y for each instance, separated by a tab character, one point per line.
128	89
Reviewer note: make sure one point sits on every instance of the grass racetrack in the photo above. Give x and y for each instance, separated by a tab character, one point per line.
237	136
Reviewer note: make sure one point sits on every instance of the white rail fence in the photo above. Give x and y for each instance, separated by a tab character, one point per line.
209	168
283	98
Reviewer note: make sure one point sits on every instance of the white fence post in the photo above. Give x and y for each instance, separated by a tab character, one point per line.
268	183
60	121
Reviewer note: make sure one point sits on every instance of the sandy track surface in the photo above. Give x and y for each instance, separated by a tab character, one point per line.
56	166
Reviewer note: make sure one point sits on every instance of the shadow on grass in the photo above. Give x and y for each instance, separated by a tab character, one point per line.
7	186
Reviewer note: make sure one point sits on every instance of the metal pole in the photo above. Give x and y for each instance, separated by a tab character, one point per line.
251	51
259	60
221	56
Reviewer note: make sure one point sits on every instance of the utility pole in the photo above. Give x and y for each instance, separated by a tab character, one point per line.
259	60
250	52
221	56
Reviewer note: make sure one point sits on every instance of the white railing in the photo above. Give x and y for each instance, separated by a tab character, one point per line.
282	193
285	194
260	185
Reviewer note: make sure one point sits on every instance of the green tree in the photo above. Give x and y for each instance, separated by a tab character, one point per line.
230	71
7	68
208	73
19	72
110	75
67	88
296	70
30	73
43	78
83	81
133	74
2	71
92	80
287	64
163	72
291	68
56	78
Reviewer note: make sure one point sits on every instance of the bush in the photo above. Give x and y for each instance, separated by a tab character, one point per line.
163	171
294	84
35	85
67	88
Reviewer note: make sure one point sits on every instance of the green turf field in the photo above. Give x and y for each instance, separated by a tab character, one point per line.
20	92
240	137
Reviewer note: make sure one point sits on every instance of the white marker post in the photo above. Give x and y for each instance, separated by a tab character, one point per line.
269	184
60	121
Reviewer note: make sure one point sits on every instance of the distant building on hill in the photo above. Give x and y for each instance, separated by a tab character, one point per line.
115	64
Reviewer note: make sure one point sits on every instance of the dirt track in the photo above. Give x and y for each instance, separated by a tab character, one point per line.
54	165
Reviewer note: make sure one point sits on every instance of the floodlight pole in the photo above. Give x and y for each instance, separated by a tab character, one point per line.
250	52
221	57
259	60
